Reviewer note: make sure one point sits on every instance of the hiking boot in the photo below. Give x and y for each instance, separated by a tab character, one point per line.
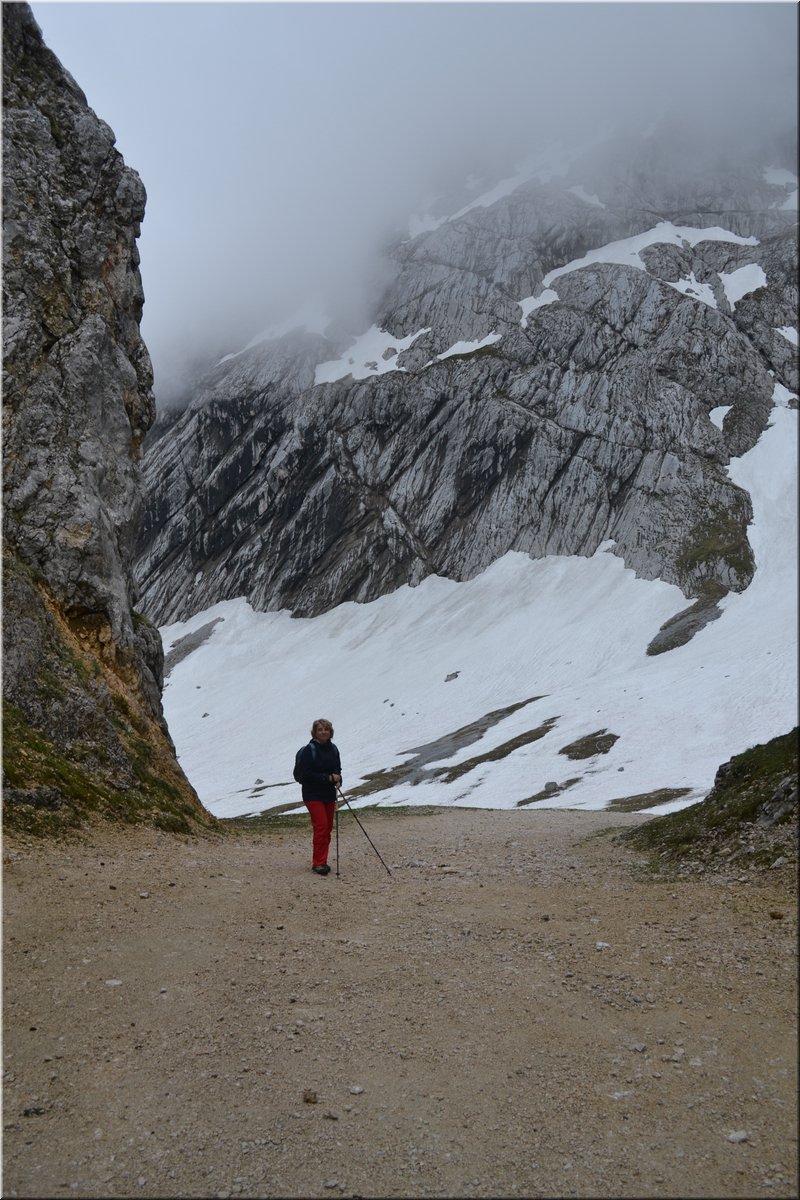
324	870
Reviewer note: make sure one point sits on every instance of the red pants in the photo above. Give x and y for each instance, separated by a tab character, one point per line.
322	815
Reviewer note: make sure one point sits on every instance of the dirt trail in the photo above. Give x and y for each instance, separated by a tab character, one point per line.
519	1010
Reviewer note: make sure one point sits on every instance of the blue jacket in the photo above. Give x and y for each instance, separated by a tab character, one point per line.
313	767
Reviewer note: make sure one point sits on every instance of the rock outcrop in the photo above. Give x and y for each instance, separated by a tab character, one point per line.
570	360
83	726
748	821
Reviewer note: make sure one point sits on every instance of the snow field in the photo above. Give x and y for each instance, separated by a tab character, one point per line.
570	630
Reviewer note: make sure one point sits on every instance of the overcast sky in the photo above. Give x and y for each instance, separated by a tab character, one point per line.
280	142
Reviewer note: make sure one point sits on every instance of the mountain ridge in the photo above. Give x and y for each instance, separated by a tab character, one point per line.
513	419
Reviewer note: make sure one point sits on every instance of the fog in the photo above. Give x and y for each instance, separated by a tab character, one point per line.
282	144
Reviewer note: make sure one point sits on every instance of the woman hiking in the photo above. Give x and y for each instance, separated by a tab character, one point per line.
319	769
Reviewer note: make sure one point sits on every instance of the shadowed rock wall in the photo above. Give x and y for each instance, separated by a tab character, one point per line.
83	724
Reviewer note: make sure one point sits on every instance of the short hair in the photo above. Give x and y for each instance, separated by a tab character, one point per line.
321	721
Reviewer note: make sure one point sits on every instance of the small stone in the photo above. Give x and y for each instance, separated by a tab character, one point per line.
776	914
602	946
113	983
779	862
144	895
739	1136
310	1096
356	1091
330	1116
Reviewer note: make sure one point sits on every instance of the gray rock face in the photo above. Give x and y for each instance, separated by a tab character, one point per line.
77	389
585	420
82	674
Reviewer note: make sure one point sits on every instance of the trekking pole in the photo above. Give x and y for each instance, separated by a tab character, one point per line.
361	827
337	841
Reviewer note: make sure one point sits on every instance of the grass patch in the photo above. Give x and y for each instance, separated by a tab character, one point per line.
743	788
50	790
549	793
415	771
277	821
720	536
450	774
587	747
646	800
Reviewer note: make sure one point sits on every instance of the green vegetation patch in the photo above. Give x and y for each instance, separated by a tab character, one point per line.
646	800
719	536
548	793
414	771
49	790
742	790
449	774
277	821
54	791
594	743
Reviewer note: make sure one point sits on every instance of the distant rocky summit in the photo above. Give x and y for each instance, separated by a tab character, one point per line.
83	727
569	359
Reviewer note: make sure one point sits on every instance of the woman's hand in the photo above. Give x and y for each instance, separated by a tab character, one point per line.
337	779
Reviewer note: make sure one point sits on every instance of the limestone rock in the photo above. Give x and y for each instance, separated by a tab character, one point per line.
586	420
82	671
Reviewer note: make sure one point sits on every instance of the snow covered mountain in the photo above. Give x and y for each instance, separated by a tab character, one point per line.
470	693
545	496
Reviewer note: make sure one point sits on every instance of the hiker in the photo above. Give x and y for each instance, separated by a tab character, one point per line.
319	769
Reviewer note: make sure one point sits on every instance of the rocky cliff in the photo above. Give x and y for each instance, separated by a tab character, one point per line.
83	726
570	358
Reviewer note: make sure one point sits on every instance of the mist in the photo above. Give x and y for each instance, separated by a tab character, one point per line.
283	144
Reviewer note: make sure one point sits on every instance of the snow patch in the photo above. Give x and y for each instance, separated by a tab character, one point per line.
698	291
311	317
571	631
782	397
717	415
469	347
529	305
627	252
541	168
424	223
587	197
789	332
741	282
365	356
780	177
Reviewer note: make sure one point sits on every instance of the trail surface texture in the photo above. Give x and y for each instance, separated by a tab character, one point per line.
520	1009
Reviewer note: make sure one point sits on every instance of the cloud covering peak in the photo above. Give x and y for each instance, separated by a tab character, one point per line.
282	145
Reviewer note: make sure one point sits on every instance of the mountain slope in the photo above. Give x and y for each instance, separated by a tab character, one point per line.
566	359
557	475
529	685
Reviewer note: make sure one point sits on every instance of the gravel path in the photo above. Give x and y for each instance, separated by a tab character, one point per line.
519	1010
